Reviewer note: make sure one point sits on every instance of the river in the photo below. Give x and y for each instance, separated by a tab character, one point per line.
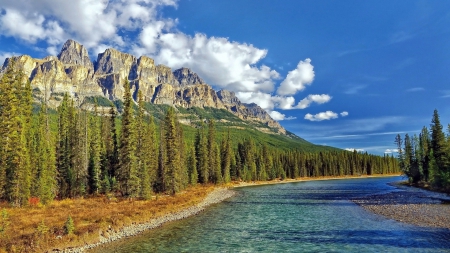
313	216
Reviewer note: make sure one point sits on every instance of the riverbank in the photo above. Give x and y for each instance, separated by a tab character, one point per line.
410	205
38	228
110	235
304	179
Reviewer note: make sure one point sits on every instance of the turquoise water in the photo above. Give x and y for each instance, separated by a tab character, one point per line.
314	216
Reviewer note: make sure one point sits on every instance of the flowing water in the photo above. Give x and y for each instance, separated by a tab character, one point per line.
314	216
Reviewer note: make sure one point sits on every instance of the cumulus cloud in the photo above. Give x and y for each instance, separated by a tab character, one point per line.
321	116
344	113
320	99
279	116
87	21
390	151
353	149
297	79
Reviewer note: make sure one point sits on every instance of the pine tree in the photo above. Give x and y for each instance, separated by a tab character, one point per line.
127	172
151	148
94	168
192	167
64	151
45	164
144	150
112	148
424	143
441	156
226	157
211	152
172	178
201	154
160	184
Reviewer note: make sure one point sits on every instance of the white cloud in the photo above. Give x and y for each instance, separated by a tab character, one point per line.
390	151
320	99
90	22
344	113
279	116
353	149
321	116
297	79
223	63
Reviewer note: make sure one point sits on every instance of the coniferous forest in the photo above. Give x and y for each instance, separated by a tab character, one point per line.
73	152
426	158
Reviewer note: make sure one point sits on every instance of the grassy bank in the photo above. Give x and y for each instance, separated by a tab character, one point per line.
41	228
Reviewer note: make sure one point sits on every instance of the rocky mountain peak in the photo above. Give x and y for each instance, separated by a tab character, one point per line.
186	76
165	75
73	53
228	97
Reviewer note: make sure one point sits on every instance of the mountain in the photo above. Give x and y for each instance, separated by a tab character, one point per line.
72	72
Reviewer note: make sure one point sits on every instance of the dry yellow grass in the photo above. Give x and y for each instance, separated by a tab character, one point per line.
90	215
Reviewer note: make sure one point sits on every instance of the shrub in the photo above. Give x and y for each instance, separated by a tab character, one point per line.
4	221
69	226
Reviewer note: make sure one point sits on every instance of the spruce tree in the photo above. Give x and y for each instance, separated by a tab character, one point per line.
127	172
211	152
192	167
173	177
440	152
94	168
144	150
46	172
226	157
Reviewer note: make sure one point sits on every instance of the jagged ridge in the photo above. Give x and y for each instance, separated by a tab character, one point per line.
73	72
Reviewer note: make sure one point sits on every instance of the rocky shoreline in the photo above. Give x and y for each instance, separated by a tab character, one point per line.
410	205
216	196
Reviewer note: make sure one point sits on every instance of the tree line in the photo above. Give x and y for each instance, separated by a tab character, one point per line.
132	155
426	157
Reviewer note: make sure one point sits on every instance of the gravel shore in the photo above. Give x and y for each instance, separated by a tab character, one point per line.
216	196
410	205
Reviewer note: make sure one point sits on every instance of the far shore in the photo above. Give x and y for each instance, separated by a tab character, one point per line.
410	205
238	184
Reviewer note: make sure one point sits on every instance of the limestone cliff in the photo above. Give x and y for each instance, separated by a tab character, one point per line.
186	76
73	72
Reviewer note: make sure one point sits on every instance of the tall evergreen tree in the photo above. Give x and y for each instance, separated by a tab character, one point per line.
144	151
45	164
94	168
192	167
440	152
127	172
201	153
226	154
173	182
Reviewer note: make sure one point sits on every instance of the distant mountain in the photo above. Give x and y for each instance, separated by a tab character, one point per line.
73	72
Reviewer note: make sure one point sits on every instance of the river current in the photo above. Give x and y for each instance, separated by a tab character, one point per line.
314	216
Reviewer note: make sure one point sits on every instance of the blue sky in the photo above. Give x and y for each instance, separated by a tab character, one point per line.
349	74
